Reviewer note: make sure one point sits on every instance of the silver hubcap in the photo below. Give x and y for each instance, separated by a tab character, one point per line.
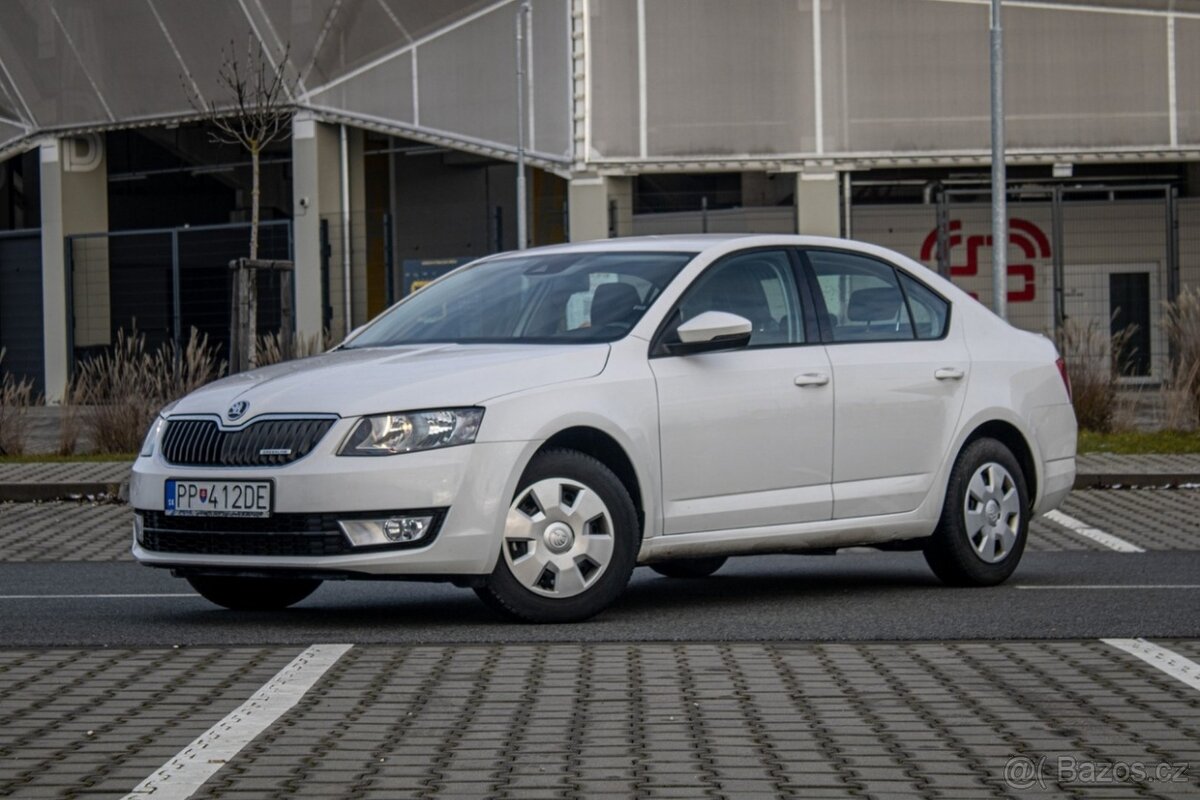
993	512
558	537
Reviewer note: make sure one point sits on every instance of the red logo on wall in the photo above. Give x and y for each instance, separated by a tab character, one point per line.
1021	232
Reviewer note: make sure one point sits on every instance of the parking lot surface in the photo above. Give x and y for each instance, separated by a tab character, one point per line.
854	675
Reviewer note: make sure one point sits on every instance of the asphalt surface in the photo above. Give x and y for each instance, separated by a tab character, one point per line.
848	597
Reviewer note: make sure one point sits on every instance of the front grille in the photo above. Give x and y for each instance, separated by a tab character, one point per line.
246	544
202	443
276	523
276	535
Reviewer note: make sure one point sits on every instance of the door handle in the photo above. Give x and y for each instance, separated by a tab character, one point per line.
949	374
812	379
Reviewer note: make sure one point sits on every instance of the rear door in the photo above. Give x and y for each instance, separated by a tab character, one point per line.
900	367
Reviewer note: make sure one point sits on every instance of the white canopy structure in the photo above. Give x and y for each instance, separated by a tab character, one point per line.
637	85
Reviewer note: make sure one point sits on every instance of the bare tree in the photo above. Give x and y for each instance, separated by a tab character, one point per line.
254	109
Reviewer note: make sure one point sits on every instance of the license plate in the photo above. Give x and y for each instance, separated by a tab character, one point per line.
218	498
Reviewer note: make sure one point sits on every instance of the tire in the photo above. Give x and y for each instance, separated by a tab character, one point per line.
570	542
253	594
689	567
985	519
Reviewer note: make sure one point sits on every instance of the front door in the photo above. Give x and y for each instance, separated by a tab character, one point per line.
746	434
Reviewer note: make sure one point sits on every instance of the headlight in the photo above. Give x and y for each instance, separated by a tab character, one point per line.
389	434
152	437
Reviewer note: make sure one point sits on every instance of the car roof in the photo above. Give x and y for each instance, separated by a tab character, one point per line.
691	243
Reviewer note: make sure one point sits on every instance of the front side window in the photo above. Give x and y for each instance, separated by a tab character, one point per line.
541	298
862	297
759	286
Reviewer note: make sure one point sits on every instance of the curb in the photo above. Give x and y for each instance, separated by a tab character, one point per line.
48	492
1110	480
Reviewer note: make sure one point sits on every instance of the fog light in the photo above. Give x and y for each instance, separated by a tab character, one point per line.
393	530
405	529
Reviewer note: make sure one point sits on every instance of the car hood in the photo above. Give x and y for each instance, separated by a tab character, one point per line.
375	380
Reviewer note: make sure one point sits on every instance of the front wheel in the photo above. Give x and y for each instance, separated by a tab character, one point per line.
570	541
253	594
985	519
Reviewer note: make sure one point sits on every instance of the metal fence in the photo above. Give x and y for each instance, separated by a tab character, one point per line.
21	306
164	282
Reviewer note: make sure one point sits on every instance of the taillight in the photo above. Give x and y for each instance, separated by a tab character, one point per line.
1062	370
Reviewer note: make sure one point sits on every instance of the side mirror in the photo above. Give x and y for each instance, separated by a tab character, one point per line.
711	331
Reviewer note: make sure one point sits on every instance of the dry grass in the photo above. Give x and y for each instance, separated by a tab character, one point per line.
15	399
118	394
1181	319
274	348
1092	354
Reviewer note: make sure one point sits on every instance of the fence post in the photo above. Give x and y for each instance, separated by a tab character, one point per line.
943	233
389	261
176	303
287	310
1173	282
1058	260
69	266
326	252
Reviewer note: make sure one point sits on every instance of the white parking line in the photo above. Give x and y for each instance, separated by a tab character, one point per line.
90	596
1170	662
1095	534
187	771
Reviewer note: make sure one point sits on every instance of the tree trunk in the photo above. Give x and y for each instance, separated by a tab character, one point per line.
251	276
254	194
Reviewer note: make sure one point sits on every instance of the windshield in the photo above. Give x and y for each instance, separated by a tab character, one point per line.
556	297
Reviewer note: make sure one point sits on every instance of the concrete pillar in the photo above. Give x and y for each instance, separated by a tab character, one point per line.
597	203
317	196
818	204
74	198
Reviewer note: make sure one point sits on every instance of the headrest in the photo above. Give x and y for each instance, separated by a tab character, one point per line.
613	302
874	305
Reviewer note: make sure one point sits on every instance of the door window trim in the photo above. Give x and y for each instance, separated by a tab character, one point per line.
814	289
812	337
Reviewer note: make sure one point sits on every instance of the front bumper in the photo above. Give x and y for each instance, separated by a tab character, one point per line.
471	483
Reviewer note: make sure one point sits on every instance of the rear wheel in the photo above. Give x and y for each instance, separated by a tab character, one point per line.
253	594
570	541
689	567
985	519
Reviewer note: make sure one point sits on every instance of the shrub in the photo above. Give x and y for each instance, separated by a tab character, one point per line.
274	348
1093	356
15	399
1181	319
121	391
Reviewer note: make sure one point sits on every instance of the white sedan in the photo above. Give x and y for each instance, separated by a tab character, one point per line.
534	425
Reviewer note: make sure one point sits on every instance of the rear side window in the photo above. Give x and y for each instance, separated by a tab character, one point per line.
863	299
929	311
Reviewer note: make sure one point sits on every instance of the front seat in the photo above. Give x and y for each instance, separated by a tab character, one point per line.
614	304
739	290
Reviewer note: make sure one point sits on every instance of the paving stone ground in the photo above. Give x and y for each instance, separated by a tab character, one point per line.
66	472
936	720
65	531
94	723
